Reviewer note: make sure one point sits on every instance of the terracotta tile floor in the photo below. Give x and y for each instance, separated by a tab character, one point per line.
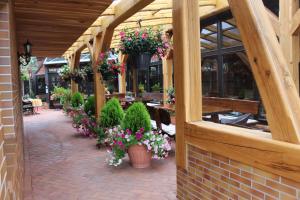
60	165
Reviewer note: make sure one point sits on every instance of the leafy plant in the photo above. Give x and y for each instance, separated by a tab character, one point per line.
137	117
89	106
65	72
58	93
78	75
141	88
170	96
77	100
111	114
156	87
143	41
110	68
65	100
121	140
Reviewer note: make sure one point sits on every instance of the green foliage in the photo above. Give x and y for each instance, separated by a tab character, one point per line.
77	100
112	114
137	117
65	100
65	72
156	87
58	93
141	88
89	106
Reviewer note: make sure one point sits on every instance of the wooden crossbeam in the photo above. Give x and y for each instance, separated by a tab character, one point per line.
270	69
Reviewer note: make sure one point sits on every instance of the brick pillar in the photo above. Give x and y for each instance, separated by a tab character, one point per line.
10	104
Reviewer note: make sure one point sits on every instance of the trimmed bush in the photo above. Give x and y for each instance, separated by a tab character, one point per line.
137	117
89	106
112	114
77	100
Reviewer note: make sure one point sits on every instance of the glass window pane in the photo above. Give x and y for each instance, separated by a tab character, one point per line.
209	38
231	35
209	70
238	78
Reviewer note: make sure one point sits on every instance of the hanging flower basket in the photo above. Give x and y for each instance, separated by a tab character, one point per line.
89	72
142	44
110	68
142	61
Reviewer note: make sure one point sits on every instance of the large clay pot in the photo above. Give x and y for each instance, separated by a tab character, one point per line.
142	61
139	156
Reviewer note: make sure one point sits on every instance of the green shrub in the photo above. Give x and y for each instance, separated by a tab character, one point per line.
137	117
111	114
66	98
156	87
89	106
77	100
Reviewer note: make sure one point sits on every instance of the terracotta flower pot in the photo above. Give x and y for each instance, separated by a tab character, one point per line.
139	156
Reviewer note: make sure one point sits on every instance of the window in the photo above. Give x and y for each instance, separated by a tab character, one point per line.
226	71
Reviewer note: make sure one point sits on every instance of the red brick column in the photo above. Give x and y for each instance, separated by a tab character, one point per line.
10	105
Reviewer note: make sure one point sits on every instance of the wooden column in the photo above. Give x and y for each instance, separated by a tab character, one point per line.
187	71
122	77
167	76
270	69
101	44
289	42
74	62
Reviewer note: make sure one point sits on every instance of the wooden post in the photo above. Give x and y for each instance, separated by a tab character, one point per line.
101	44
122	77
74	62
187	71
289	42
167	76
270	69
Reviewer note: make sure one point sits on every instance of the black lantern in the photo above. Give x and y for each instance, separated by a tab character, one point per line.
25	57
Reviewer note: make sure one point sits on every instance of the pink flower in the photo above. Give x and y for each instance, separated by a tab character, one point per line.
136	33
120	143
102	55
138	135
122	34
129	39
128	132
144	36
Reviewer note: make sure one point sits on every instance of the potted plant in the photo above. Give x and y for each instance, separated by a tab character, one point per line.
170	97
88	69
65	73
111	115
142	44
136	137
141	89
78	75
77	100
110	68
57	97
156	87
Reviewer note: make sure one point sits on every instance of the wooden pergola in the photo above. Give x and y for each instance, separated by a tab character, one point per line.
274	65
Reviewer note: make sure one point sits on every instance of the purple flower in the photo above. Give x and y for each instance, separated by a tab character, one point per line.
142	130
138	135
128	132
120	143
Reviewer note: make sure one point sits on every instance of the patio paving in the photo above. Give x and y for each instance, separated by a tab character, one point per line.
60	164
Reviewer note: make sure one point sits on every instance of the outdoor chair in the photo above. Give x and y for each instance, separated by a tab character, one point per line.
240	121
153	115
165	123
27	107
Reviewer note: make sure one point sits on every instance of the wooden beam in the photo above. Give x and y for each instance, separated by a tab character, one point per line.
250	147
296	23
74	61
122	77
290	41
187	70
270	70
167	66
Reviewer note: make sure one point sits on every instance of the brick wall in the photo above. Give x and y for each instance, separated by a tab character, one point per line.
210	176
10	105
